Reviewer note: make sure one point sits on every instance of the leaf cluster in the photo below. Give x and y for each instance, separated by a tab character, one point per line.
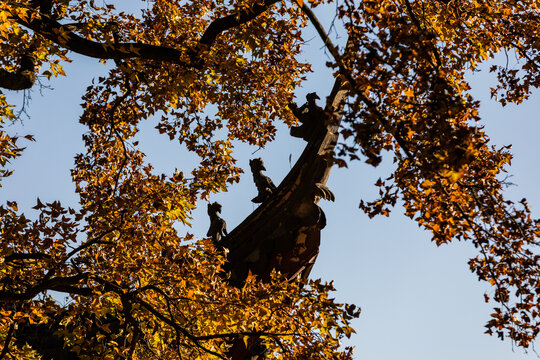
218	72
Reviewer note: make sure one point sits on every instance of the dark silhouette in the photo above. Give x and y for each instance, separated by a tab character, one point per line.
218	227
309	115
264	184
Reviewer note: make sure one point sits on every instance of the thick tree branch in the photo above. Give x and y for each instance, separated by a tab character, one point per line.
24	78
220	25
64	36
26	256
61	284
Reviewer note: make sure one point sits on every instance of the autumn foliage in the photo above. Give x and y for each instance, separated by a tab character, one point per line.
140	289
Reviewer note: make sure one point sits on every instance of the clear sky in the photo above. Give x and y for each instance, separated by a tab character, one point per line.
419	301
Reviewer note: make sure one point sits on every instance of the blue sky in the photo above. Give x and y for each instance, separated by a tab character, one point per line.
419	301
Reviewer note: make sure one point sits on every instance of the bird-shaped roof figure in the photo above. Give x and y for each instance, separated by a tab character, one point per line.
264	184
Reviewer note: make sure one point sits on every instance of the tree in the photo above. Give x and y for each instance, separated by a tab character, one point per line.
138	287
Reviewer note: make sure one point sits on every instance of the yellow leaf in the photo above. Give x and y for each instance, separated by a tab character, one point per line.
13	205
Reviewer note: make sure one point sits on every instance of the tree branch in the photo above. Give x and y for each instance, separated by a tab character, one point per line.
24	78
64	36
61	284
220	25
96	240
7	341
355	87
25	256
